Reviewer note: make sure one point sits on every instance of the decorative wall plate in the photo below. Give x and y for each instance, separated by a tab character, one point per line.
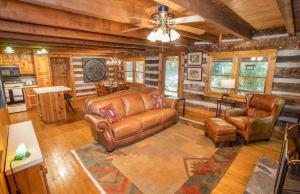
94	69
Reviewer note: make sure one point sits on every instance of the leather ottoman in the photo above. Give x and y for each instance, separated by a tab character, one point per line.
220	130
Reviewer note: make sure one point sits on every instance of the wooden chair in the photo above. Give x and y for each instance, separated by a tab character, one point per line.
102	90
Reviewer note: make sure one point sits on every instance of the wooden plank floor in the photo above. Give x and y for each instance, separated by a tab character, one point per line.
65	176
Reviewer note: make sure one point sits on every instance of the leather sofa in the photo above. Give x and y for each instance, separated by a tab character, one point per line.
258	119
139	118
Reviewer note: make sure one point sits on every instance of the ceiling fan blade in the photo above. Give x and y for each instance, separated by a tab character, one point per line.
132	29
188	19
143	19
190	29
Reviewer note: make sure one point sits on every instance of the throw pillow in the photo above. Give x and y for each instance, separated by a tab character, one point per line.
159	101
110	113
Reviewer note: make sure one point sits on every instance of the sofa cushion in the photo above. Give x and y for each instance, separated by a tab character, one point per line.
133	104
96	105
159	101
148	101
240	122
125	127
148	119
110	113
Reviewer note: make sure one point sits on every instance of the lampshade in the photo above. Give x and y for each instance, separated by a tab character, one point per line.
21	151
228	84
152	36
165	38
174	35
159	34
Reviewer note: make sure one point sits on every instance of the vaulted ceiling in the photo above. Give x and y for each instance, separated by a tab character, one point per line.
107	24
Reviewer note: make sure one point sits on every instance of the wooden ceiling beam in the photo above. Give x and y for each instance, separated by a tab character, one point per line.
62	41
285	7
118	11
34	29
56	46
218	14
25	12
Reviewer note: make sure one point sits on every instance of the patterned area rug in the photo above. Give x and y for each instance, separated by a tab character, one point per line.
179	159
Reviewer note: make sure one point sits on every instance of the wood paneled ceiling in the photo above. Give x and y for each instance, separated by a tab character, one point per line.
100	23
261	14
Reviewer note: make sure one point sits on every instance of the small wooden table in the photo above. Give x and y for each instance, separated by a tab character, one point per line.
52	103
30	173
219	105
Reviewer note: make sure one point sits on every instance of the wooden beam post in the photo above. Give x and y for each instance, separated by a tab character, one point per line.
285	7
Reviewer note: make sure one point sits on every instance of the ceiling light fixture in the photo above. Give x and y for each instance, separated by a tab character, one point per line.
165	30
113	61
42	51
9	50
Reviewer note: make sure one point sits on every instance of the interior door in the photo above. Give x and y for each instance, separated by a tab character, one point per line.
60	71
171	78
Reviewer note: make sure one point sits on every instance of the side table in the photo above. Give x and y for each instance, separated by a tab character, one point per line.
179	99
219	105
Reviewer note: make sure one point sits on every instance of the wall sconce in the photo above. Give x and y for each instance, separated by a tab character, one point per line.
9	50
42	51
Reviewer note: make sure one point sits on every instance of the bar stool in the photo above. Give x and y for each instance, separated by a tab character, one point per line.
68	98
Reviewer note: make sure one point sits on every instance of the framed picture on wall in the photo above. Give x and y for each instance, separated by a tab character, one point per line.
195	58
194	73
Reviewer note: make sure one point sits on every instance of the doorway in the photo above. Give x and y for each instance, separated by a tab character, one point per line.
171	78
60	69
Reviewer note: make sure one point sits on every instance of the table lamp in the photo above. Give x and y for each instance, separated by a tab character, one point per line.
227	84
21	152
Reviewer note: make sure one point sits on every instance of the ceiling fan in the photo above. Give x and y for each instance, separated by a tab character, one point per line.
165	24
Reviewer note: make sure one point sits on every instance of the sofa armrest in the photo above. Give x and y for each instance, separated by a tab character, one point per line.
260	128
235	113
171	103
98	123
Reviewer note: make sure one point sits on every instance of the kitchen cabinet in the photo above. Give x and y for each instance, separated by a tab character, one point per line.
9	59
26	64
23	59
31	98
42	70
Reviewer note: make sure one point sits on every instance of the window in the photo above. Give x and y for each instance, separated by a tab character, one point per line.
134	71
171	76
252	71
221	70
252	75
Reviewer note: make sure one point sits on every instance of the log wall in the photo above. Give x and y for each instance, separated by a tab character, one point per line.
151	71
286	83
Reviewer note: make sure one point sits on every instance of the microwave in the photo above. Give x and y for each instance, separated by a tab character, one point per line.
10	71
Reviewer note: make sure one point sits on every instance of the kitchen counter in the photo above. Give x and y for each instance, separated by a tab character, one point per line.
52	103
52	89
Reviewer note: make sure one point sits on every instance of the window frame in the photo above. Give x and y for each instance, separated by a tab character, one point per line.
134	60
235	74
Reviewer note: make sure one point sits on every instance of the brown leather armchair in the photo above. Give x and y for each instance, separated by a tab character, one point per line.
257	120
